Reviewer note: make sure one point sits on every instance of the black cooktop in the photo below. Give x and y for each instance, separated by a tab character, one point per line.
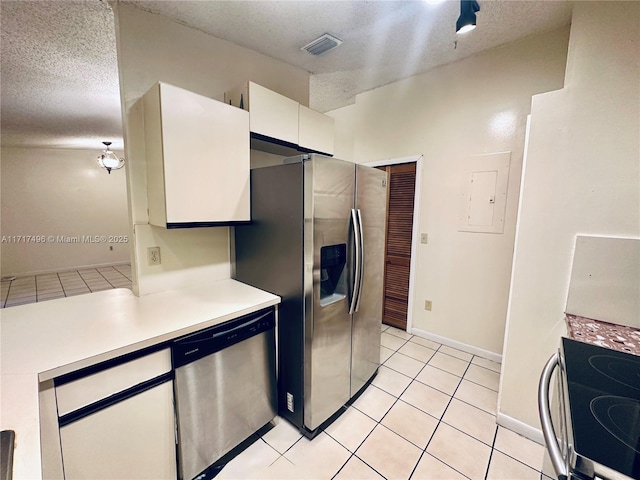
604	401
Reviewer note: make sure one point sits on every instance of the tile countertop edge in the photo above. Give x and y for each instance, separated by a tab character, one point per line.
150	320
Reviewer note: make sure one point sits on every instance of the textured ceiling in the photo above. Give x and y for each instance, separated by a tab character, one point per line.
59	69
383	40
59	74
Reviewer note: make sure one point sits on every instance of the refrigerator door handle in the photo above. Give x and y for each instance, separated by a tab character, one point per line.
361	262
353	308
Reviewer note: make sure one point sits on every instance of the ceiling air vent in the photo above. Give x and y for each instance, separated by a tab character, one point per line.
322	44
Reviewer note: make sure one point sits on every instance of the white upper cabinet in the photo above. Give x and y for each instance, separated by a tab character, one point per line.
197	154
315	131
279	120
271	114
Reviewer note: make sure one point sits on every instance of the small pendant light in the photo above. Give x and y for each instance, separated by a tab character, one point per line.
108	160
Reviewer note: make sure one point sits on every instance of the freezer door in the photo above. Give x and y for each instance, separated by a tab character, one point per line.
371	203
328	203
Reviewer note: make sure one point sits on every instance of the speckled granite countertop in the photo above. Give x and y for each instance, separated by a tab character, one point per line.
609	335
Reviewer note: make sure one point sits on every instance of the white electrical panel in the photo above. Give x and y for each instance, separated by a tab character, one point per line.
483	193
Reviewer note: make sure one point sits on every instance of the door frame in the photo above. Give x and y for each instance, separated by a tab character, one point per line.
417	159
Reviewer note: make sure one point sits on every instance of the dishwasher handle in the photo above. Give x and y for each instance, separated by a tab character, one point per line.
200	344
544	409
233	333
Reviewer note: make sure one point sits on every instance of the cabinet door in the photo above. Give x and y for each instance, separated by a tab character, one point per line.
92	388
315	131
133	439
273	115
197	159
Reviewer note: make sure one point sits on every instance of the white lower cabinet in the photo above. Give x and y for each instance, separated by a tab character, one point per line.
133	439
119	422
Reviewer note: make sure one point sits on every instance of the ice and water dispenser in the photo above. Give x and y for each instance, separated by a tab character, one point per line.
333	274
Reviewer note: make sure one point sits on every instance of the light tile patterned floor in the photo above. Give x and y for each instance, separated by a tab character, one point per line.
429	414
38	288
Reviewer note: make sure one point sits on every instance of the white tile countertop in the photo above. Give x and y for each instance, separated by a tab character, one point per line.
41	341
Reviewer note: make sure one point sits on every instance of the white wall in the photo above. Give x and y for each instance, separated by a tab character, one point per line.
582	177
475	106
344	131
150	49
61	193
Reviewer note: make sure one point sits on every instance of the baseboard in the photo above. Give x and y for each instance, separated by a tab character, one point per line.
65	269
495	357
521	428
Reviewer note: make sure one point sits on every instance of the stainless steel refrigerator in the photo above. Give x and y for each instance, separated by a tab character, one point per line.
316	239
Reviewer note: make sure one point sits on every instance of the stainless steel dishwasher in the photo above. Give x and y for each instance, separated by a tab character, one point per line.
225	388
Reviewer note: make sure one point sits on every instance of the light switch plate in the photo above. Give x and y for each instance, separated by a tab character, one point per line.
424	238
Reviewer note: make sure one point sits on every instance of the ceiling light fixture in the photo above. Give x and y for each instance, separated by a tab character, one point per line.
467	19
109	160
322	44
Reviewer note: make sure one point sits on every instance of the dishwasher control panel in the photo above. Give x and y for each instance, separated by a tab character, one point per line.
211	340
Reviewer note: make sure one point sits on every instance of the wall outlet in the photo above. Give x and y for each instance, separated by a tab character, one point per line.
427	305
424	238
153	255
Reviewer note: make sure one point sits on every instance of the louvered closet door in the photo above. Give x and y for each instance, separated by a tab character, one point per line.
402	179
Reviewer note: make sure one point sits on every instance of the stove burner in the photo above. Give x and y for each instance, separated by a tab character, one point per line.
620	416
626	372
